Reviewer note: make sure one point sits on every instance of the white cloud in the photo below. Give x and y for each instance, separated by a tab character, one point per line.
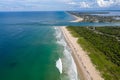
80	4
107	3
57	4
73	3
84	5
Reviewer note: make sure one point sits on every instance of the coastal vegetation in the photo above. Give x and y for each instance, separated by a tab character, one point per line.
103	47
112	31
95	16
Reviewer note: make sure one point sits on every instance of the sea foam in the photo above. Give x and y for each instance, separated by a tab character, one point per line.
69	66
59	65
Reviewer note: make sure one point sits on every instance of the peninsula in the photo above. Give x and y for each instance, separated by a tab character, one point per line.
95	50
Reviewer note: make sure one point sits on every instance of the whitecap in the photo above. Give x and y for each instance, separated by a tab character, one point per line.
68	66
59	65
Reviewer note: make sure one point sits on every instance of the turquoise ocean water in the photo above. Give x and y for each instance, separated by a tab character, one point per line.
32	46
31	50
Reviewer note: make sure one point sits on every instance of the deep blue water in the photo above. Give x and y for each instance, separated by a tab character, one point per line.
33	17
46	19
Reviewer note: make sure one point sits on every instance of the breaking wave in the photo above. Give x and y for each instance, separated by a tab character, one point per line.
69	66
59	65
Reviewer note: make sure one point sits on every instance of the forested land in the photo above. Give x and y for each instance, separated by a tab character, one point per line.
115	31
103	46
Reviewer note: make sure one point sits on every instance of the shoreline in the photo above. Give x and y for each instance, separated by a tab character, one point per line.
78	19
85	67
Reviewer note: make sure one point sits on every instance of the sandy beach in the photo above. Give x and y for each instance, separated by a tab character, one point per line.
84	65
78	19
86	68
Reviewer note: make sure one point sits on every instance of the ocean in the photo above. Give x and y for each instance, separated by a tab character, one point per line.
32	46
30	49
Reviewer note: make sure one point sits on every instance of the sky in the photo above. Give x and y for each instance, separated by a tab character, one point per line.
58	5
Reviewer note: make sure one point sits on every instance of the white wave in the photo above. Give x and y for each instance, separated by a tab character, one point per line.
68	60
59	65
69	66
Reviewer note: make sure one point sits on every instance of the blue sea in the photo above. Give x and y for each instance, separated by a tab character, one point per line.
32	46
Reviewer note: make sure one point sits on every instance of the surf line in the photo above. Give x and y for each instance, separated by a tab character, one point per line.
59	65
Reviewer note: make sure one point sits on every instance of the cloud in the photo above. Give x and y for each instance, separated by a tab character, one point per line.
33	5
80	4
84	5
108	3
105	3
57	4
72	3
